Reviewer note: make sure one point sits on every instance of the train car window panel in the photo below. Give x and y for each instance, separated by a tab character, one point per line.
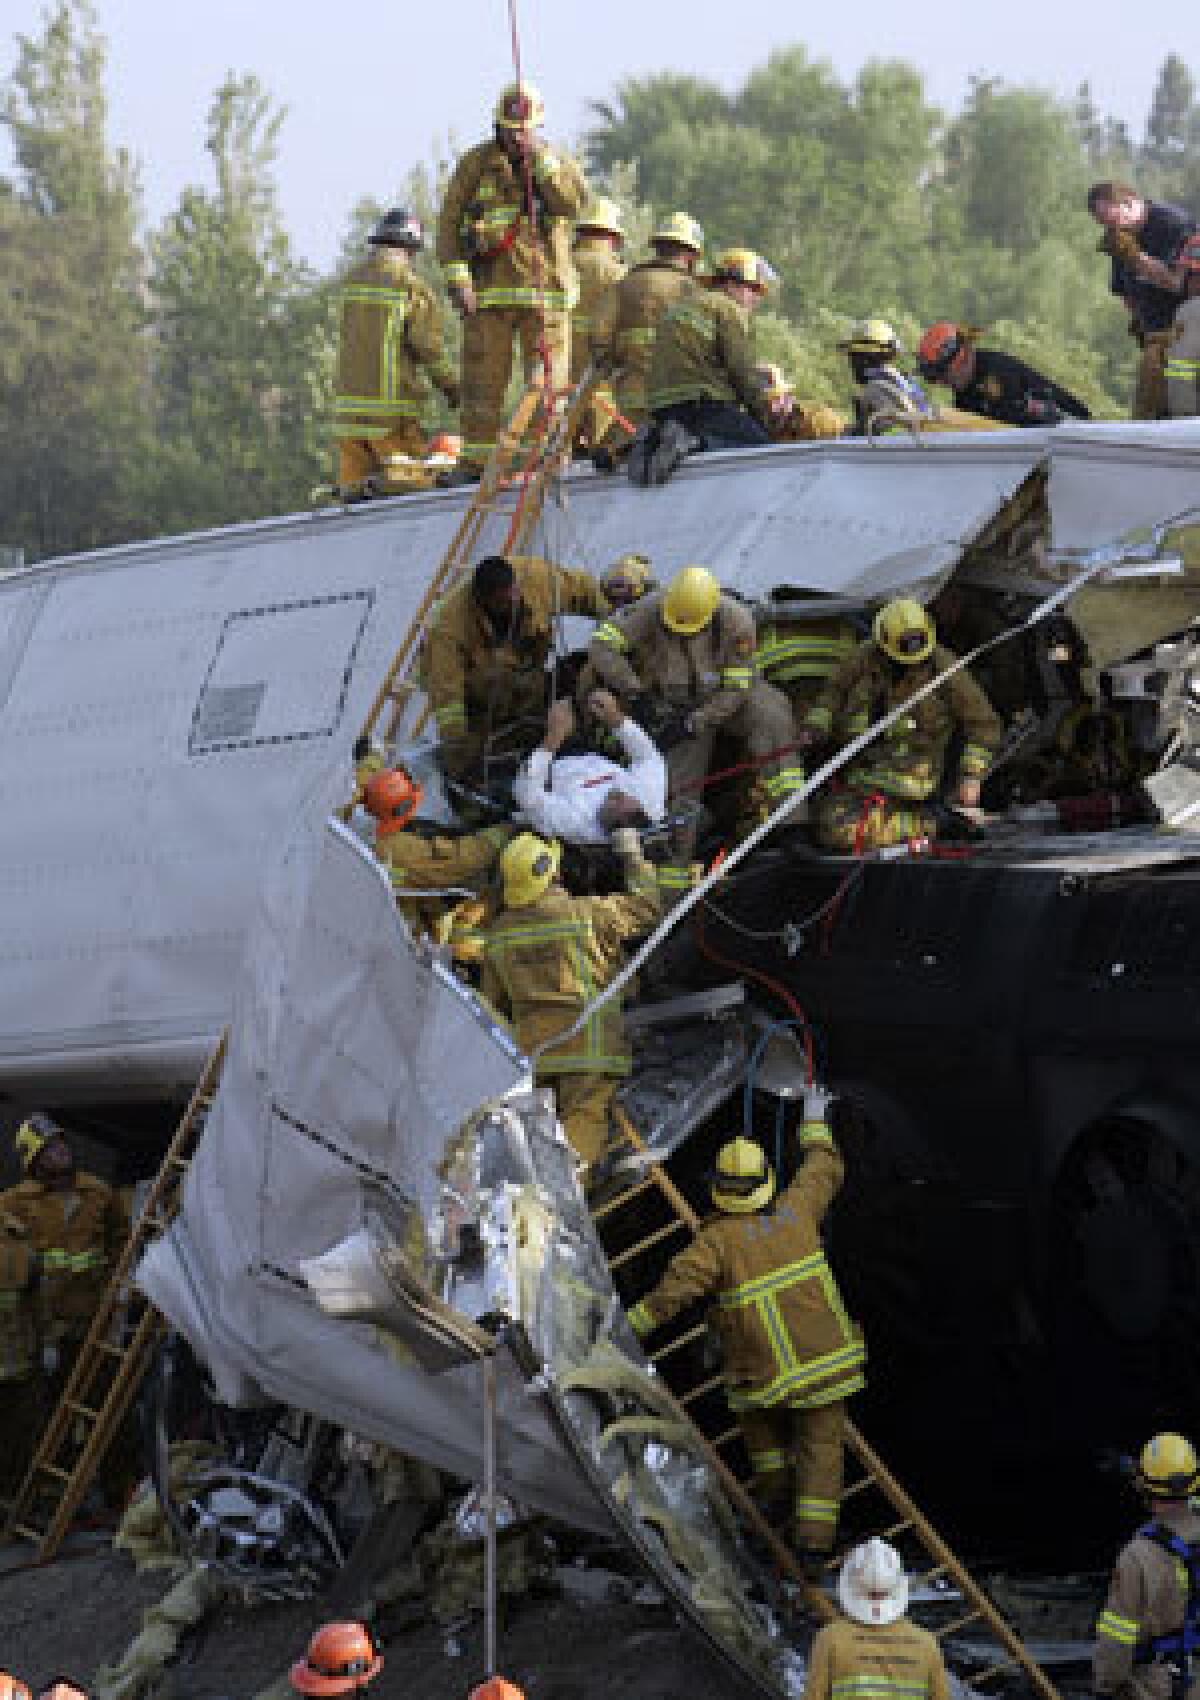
280	673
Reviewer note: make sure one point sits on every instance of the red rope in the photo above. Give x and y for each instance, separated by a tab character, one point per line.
780	991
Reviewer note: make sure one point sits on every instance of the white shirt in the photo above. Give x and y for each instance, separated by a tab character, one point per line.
563	799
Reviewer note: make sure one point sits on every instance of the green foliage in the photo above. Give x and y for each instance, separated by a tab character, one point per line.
183	378
242	336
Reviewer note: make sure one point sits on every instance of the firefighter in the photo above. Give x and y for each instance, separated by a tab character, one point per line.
547	955
800	653
19	1352
342	1658
1143	240
889	790
1183	356
1148	1634
791	1355
880	387
873	1649
599	239
792	421
78	1227
420	858
483	659
625	582
683	661
703	391
638	304
391	341
993	384
507	276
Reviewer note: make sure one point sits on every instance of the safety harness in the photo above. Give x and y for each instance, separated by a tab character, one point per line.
1179	1648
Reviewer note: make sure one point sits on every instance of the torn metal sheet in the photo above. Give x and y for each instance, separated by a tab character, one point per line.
377	1199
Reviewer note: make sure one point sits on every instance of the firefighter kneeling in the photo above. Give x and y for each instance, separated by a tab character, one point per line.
891	787
792	1356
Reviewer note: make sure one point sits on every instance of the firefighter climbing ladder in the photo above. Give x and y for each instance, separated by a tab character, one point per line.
125	1331
113	1358
671	1220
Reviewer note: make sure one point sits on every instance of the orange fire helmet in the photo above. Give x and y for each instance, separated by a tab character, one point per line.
937	347
393	797
342	1658
497	1688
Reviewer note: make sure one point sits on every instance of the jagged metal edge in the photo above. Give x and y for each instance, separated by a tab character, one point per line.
528	1361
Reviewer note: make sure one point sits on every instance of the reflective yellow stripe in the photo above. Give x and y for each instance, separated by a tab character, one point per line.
778	1281
816	1134
1178	368
1122	1630
783	783
451	714
766	1463
72	1262
817	1510
872	1686
457	273
819	719
608	633
640	1319
976	758
894	782
737	678
548	299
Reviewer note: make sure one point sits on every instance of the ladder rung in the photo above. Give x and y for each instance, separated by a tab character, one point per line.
728	1435
179	1163
645	1245
928	1576
620	1201
704	1388
54	1470
678	1343
29	1534
896	1529
108	1350
958	1623
855	1488
993	1670
84	1411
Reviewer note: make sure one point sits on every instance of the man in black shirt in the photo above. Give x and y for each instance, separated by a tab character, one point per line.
997	385
1143	239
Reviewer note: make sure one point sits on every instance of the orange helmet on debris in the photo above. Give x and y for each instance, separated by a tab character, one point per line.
393	797
12	1688
497	1688
444	445
341	1659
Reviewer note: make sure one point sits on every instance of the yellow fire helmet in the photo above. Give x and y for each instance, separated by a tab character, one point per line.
743	265
682	229
520	107
743	1180
602	214
1168	1467
690	601
905	631
627	580
33	1135
527	867
871	336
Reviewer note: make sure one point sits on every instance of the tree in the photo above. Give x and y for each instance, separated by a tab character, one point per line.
243	336
1174	122
72	358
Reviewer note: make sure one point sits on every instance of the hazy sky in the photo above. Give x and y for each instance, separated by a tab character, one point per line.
369	87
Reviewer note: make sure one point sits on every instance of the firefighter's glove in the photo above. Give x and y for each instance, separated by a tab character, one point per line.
625	841
817	1100
1122	245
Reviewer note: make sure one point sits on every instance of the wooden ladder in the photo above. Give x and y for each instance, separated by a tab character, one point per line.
113	1358
663	1218
106	1375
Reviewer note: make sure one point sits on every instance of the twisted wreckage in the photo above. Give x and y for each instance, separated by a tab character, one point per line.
379	1197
